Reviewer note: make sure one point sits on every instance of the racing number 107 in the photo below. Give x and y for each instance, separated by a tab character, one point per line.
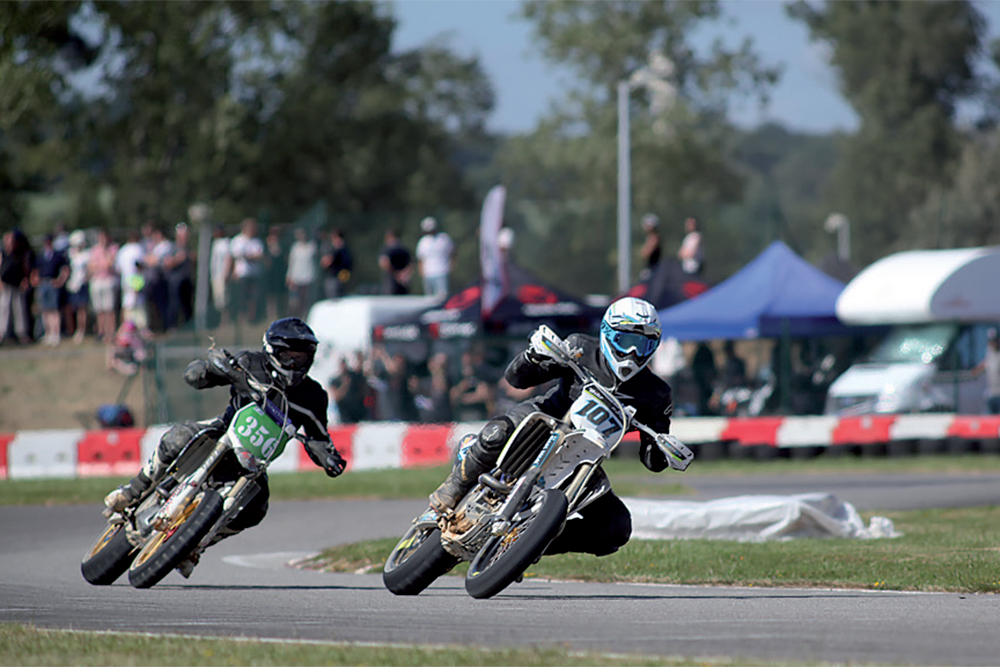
597	414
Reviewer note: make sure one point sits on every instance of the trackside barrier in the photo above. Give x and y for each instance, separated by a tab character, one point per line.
375	445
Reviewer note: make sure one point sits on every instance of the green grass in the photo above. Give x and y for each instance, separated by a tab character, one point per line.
389	484
941	550
25	646
628	476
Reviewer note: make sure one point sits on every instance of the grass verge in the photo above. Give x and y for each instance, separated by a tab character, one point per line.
940	550
28	646
628	476
388	484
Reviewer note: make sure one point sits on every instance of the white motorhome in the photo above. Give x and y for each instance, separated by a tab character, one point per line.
344	326
941	304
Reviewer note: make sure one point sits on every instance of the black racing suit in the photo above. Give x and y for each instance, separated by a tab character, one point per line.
307	405
605	524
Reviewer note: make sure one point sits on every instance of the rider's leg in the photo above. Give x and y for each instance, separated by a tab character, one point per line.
475	455
250	516
604	526
170	446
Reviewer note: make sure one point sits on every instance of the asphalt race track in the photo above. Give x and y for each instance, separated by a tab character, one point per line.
243	588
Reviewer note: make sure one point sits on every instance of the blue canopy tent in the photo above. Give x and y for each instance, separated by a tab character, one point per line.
777	294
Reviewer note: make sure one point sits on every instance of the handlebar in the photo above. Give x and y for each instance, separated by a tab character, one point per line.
679	456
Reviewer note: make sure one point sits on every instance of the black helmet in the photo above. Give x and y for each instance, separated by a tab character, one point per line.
290	346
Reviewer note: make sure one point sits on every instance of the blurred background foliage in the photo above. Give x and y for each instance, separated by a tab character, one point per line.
115	113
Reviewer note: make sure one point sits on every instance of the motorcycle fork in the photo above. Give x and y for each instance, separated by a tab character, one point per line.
186	491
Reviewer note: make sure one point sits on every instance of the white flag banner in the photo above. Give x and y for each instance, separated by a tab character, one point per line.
490	252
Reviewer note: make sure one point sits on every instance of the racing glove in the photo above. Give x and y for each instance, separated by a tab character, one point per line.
538	350
324	454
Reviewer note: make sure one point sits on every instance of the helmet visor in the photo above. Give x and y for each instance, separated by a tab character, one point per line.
296	360
626	342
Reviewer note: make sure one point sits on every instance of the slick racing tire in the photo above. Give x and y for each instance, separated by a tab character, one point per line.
416	561
110	556
166	549
505	557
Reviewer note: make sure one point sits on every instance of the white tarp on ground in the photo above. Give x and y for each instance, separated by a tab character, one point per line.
753	519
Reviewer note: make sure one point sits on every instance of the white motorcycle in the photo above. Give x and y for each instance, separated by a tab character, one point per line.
544	474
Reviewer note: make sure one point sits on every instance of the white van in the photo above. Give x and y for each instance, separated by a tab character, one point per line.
344	326
941	304
916	368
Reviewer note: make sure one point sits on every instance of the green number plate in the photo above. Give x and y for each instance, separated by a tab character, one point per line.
257	433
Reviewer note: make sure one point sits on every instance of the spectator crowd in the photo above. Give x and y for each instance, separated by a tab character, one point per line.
68	286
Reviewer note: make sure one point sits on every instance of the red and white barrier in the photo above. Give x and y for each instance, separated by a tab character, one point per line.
374	445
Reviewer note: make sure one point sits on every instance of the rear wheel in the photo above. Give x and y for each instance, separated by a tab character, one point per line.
165	550
110	556
417	561
505	557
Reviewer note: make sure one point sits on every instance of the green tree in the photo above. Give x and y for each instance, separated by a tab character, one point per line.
903	66
252	107
562	177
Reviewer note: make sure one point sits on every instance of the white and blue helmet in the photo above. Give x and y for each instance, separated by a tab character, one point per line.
630	334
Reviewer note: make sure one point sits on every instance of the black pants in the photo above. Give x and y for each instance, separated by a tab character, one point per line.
228	469
604	526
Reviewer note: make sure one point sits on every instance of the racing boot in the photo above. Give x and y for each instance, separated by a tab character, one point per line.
465	471
186	566
129	494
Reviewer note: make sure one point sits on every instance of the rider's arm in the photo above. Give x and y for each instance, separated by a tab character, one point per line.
200	375
530	370
655	415
311	417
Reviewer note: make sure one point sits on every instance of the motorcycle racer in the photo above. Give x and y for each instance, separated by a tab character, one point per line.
629	335
279	370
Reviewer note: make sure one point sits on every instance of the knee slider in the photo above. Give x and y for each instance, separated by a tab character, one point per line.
174	440
494	435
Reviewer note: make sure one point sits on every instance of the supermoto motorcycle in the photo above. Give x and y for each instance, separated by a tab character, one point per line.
545	473
200	493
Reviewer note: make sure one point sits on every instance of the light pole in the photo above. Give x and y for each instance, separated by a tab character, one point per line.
655	77
624	190
838	222
200	215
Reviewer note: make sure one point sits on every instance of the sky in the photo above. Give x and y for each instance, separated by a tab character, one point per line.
806	98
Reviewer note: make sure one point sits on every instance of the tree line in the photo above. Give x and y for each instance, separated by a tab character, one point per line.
135	110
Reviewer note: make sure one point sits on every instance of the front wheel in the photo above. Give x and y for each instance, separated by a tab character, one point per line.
110	556
505	557
417	561
165	550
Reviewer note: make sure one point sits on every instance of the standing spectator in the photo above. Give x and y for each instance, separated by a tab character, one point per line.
395	401
337	263
652	248
472	397
128	264
434	255
48	277
60	239
348	390
705	373
178	270
158	247
103	285
277	272
435	398
220	266
77	291
15	276
301	274
394	260
691	253
247	251
990	365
